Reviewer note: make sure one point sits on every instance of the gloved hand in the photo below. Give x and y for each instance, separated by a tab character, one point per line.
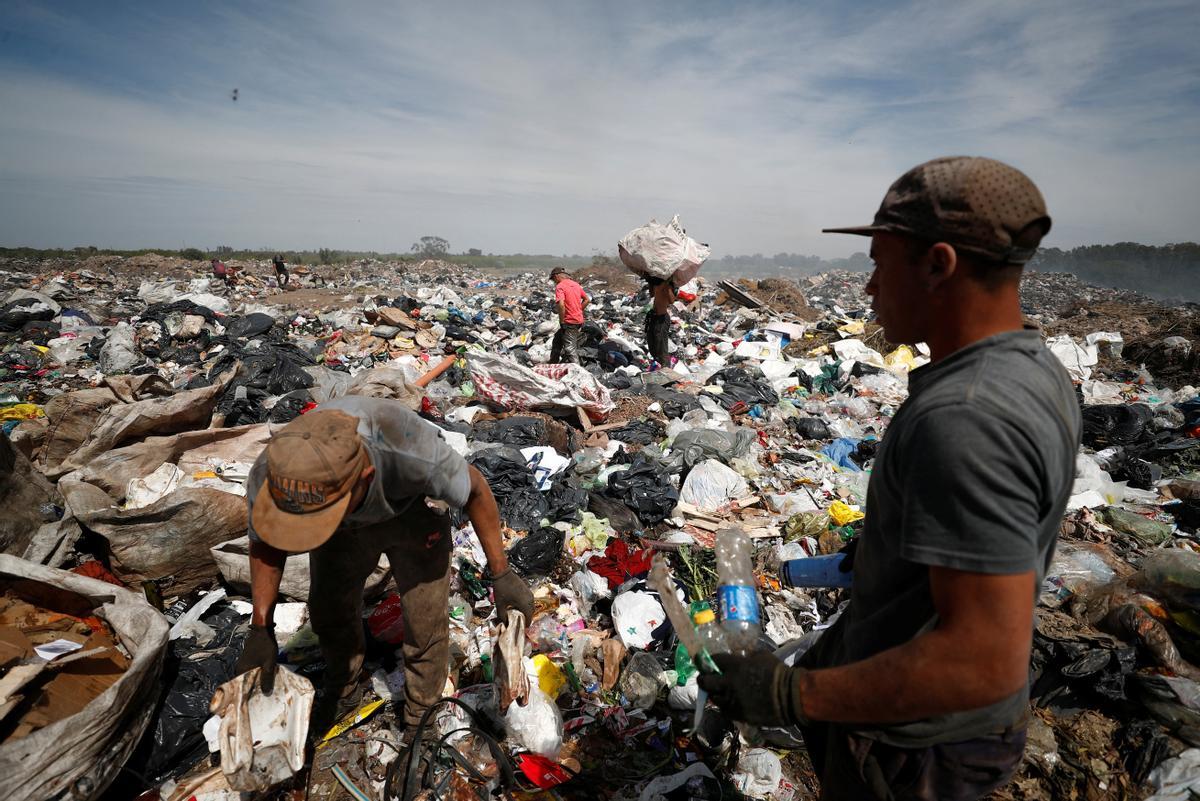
757	688
260	651
511	592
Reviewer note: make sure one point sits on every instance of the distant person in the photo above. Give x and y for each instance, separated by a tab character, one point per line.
221	272
658	320
281	270
571	300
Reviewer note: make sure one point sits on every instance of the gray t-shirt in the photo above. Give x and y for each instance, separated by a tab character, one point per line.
412	461
973	474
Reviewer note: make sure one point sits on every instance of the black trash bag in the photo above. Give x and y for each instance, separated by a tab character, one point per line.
1186	514
455	376
674	404
618	515
640	432
244	411
519	432
1138	472
1115	425
616	381
522	505
645	488
537	554
865	452
1157	693
507	326
809	427
862	368
287	377
14	316
739	386
249	326
159	311
39	332
175	740
287	408
566	500
1145	745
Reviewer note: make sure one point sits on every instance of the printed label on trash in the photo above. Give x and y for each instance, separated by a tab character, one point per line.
738	602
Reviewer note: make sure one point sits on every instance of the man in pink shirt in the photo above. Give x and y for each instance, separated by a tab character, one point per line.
571	301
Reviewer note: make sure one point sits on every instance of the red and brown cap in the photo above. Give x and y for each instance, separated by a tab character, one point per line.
313	464
979	205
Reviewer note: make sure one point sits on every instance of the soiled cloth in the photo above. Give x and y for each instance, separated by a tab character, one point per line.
973	475
412	462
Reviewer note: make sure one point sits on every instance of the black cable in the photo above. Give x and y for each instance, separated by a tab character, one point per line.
480	727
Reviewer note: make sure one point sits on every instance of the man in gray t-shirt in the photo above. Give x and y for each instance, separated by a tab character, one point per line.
349	482
920	689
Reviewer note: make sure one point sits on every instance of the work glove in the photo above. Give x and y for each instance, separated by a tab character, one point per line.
259	651
509	591
757	688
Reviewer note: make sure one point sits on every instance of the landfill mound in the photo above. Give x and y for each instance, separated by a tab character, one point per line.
136	393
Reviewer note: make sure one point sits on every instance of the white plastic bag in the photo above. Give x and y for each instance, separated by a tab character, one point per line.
663	251
537	726
635	616
758	773
1079	360
710	485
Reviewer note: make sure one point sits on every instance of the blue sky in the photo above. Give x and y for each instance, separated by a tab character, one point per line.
556	127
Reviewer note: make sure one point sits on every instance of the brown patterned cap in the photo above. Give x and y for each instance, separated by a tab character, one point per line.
981	206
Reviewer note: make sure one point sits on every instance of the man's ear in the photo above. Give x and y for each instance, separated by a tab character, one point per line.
368	473
942	264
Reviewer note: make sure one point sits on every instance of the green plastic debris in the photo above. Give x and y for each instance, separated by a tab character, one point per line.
1149	532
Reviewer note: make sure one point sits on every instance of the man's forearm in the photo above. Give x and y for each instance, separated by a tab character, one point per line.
931	675
485	519
266	571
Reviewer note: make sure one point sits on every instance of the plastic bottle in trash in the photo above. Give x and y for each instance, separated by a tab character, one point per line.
740	617
712	636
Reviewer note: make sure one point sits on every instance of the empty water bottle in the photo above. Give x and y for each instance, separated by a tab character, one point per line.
736	592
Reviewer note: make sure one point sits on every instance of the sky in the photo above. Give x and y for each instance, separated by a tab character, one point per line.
549	127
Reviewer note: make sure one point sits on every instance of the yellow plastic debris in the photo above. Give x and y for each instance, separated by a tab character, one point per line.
854	328
549	675
901	359
21	411
843	514
353	719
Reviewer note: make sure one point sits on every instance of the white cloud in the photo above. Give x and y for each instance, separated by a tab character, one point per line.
522	127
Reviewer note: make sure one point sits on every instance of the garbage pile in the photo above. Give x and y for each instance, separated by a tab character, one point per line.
133	403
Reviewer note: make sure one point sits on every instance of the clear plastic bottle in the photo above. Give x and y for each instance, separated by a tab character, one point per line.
712	636
736	591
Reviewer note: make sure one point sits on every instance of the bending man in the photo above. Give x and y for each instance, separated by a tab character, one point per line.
349	482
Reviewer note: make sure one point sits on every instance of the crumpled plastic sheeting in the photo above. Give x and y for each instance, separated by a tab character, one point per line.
1177	779
1078	359
546	386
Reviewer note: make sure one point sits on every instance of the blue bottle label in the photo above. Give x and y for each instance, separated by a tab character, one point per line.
738	602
